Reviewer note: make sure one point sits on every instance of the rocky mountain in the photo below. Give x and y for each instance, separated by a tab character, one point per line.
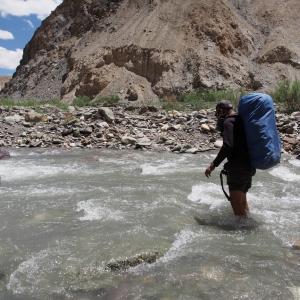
145	50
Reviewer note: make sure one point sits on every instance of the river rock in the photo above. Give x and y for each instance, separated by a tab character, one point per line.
36	143
71	109
205	128
192	150
296	245
288	128
290	140
103	125
177	148
66	132
175	113
128	140
34	117
165	127
129	262
13	119
86	130
176	127
107	114
144	142
57	141
218	143
296	115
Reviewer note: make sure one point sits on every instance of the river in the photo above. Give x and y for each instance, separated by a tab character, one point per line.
64	215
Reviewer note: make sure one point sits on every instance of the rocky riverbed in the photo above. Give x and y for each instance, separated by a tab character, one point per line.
124	128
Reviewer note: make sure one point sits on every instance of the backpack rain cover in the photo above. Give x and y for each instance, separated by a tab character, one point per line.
258	115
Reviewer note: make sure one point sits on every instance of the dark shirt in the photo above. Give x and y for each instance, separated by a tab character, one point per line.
234	144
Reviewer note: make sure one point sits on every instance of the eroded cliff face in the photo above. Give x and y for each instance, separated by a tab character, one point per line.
143	50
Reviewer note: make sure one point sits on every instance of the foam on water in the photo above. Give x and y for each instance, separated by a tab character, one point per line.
31	275
207	193
295	290
285	174
14	153
42	190
180	245
165	168
94	212
295	162
23	171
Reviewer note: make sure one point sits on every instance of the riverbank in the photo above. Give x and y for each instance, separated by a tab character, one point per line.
124	128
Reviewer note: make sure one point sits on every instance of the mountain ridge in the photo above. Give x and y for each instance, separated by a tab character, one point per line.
145	50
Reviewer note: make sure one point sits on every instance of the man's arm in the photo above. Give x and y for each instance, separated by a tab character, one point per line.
225	150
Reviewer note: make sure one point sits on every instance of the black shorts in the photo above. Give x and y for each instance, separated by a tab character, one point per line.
239	178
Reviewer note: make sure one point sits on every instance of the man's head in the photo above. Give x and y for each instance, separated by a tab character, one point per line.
223	109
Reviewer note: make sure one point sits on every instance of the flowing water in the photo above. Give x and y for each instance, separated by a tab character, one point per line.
65	215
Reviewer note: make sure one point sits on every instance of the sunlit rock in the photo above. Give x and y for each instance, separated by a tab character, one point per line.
218	143
129	262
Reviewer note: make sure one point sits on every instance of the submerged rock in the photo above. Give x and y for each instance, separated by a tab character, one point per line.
129	262
296	245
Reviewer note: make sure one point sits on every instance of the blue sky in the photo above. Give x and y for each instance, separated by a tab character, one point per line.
18	21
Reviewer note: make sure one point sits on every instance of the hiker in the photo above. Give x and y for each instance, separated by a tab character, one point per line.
238	167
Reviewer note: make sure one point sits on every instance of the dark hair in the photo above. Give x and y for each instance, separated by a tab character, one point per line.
224	104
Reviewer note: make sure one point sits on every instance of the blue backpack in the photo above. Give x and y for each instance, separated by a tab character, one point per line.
258	115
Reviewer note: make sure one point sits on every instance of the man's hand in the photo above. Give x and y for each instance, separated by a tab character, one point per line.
209	170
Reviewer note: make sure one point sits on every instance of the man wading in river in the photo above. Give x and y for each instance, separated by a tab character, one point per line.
238	167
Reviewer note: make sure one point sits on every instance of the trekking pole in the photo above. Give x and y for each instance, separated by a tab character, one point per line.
222	184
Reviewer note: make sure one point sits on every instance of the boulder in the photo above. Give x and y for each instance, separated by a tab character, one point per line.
143	142
218	143
66	132
128	140
13	119
103	125
165	127
129	262
205	128
86	130
71	109
35	144
176	127
34	117
107	114
296	115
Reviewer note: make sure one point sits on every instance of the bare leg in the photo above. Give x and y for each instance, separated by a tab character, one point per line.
239	203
